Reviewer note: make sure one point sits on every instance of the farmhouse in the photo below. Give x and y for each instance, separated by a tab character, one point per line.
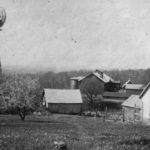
138	106
100	77
63	101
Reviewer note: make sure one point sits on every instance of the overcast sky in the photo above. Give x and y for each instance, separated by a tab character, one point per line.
76	34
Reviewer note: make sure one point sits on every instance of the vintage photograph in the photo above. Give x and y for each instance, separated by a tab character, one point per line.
74	75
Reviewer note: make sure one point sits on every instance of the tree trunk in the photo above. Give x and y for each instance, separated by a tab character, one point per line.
22	113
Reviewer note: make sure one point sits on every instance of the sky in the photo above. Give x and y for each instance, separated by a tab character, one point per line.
66	35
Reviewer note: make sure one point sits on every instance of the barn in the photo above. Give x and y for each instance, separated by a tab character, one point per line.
137	107
63	101
103	79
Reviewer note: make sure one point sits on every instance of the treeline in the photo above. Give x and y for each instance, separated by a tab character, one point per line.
141	76
59	80
62	80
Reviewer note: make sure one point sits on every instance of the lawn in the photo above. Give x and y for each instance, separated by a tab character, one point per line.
80	133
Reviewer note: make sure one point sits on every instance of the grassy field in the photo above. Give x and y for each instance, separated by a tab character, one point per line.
80	133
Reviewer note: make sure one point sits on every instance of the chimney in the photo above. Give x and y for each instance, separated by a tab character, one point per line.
101	73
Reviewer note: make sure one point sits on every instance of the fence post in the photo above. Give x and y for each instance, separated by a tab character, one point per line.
104	116
123	115
105	113
134	113
142	111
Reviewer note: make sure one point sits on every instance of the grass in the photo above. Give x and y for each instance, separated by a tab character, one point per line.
80	133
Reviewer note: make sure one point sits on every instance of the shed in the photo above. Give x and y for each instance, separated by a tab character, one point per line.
116	95
134	88
138	106
113	100
127	82
65	101
132	109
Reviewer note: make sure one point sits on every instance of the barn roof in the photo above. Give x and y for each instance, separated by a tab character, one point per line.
145	90
134	86
133	101
116	94
102	76
62	96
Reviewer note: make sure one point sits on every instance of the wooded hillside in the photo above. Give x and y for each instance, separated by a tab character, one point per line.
62	79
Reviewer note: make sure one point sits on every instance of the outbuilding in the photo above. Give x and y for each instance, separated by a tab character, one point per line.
131	88
145	98
134	88
137	107
113	100
63	101
132	109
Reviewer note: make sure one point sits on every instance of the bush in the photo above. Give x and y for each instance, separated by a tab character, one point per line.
8	110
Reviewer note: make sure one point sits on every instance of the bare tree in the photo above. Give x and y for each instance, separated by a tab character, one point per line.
93	91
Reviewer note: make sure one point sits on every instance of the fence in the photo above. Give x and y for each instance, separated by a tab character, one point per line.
106	115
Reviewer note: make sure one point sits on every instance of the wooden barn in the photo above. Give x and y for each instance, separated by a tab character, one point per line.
137	107
63	101
100	77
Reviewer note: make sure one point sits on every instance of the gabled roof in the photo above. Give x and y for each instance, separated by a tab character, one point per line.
62	96
145	90
102	76
127	82
134	87
79	78
133	101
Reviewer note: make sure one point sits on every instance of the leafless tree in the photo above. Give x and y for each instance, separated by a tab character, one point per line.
93	91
